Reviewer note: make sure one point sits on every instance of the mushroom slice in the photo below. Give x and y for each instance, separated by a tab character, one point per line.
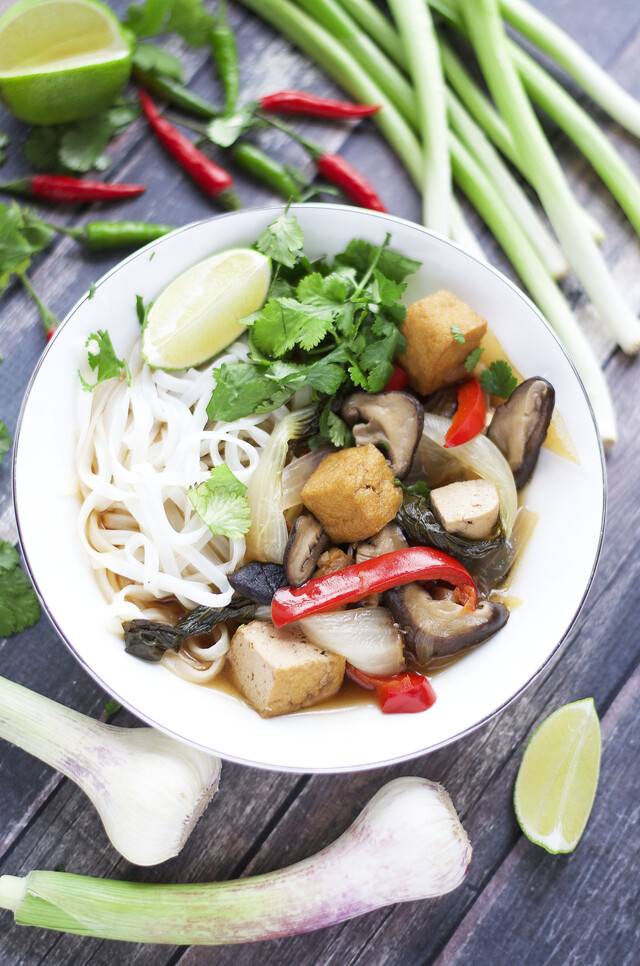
258	581
519	426
306	542
387	540
392	418
439	627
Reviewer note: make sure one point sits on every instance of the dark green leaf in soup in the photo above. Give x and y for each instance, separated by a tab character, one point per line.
419	523
148	640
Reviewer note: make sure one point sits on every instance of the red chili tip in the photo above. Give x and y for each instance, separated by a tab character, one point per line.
49	334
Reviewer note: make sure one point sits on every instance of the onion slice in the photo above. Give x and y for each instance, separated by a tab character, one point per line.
298	471
366	636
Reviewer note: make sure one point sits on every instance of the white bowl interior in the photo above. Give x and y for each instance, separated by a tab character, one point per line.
551	580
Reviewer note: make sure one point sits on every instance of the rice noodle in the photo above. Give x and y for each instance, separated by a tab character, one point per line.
140	447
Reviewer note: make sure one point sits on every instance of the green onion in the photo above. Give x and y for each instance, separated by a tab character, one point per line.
423	56
148	789
544	171
406	844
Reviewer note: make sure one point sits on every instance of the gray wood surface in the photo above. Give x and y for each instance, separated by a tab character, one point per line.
518	904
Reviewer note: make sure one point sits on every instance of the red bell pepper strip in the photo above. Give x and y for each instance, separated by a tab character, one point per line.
209	176
61	188
309	105
470	416
405	693
371	577
398	380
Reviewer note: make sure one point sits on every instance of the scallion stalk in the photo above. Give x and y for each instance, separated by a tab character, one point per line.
544	171
420	43
406	844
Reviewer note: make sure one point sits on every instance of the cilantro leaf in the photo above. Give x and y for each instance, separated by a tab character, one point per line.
282	240
19	607
41	148
285	322
151	59
92	291
142	310
498	379
225	131
15	249
221	503
78	146
103	360
472	359
5	440
243	388
84	143
110	709
187	18
331	427
392	264
457	333
8	556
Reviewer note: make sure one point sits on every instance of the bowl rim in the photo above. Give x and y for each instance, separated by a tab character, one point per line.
294	769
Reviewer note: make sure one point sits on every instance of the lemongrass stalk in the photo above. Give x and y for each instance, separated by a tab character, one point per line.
461	232
473	137
544	171
584	132
336	60
498	216
148	789
558	45
337	22
406	844
482	110
417	33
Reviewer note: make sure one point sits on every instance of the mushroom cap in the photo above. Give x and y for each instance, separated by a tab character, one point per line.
392	418
306	543
519	426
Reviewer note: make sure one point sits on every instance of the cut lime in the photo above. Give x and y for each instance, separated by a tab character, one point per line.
558	777
61	60
198	314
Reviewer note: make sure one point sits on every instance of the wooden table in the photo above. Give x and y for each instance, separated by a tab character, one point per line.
518	905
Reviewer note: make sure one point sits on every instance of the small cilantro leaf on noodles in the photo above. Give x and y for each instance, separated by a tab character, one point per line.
221	503
103	360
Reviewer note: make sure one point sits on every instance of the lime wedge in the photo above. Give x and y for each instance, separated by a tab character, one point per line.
558	777
61	60
198	314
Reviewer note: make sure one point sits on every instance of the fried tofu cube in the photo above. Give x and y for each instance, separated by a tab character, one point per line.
352	493
469	508
280	671
433	357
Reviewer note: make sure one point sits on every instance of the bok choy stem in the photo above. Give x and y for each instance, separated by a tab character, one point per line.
544	171
406	844
148	789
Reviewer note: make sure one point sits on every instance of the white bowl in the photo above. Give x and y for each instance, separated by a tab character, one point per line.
551	581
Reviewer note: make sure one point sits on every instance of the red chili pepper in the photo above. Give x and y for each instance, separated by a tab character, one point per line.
343	175
299	102
209	176
49	334
405	693
398	380
470	416
58	187
371	577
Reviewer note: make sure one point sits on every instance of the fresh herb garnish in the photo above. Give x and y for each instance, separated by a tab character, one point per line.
221	503
110	709
187	18
330	326
419	488
472	359
19	607
498	379
5	440
92	290
78	147
142	310
103	360
225	131
151	59
457	333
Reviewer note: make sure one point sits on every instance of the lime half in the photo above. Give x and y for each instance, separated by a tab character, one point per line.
558	777
200	312
61	60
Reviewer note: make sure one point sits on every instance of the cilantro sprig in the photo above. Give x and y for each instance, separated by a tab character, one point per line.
498	379
79	146
332	326
221	503
103	360
19	607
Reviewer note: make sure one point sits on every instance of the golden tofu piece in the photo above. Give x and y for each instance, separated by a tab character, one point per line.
352	493
280	671
433	358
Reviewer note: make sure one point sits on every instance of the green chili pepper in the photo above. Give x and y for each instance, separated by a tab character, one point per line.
225	54
100	235
267	170
175	93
